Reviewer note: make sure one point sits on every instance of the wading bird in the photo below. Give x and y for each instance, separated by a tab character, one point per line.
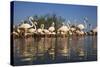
52	28
26	27
16	31
63	29
81	27
32	29
40	30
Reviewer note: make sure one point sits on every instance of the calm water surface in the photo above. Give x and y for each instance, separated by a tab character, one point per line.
42	50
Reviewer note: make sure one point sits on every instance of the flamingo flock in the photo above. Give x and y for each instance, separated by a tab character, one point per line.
27	29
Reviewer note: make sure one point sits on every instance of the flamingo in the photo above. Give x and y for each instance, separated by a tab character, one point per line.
15	34
16	31
45	31
27	27
40	30
81	32
71	28
24	27
52	29
94	31
31	29
63	29
81	27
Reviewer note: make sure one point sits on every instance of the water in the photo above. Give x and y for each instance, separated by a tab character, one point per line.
43	50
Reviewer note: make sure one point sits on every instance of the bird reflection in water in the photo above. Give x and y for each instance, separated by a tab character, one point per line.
43	49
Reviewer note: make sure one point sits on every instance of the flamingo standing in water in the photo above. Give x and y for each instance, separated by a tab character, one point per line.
81	27
63	29
94	31
71	28
40	30
26	27
32	29
52	28
15	32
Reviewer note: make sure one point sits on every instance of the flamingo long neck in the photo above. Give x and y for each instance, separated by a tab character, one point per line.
85	24
31	22
33	25
68	25
52	25
43	28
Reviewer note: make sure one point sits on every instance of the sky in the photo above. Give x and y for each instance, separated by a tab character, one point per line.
69	12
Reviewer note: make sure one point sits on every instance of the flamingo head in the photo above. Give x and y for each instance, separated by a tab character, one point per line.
31	18
35	23
42	26
53	24
63	24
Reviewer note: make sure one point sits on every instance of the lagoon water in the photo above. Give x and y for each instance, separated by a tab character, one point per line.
44	50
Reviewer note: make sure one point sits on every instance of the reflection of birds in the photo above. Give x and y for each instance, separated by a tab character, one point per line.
63	29
81	52
52	29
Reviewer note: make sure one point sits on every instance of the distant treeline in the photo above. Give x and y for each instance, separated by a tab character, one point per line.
47	20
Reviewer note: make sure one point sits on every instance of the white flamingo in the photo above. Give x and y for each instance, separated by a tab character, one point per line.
52	28
16	31
63	29
82	26
27	27
45	31
94	31
40	30
71	29
85	22
31	29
